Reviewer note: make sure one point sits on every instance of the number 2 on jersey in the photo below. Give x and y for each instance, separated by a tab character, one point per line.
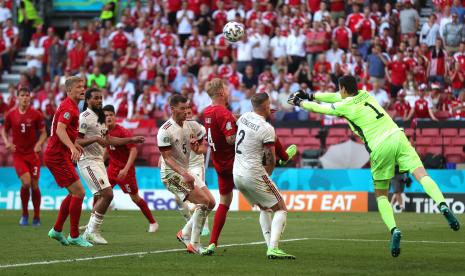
241	138
378	114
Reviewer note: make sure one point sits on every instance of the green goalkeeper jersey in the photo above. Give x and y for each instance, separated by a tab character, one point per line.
365	116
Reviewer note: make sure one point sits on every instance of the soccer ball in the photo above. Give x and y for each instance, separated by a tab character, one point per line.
233	31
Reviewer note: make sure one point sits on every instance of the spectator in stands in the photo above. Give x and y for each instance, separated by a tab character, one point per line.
124	87
367	26
409	19
97	79
244	52
380	95
245	104
124	106
76	57
437	66
144	104
445	18
27	19
457	78
429	31
34	55
396	73
457	7
34	80
401	107
5	13
261	51
201	98
204	20
458	107
295	48
423	109
181	78
453	34
334	54
185	19
376	62
250	79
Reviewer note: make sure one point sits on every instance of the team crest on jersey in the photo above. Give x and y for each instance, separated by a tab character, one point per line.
228	126
166	140
83	125
66	115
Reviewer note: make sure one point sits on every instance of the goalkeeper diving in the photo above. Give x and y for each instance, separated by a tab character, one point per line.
384	140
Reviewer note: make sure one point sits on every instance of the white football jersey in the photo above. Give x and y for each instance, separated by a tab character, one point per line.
90	127
253	132
177	138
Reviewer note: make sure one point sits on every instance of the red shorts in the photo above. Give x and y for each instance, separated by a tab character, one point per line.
128	184
27	164
225	182
62	170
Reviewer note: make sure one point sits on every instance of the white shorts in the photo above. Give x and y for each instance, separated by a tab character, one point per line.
95	175
259	190
176	185
199	171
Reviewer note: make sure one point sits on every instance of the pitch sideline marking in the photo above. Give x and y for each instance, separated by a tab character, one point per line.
226	245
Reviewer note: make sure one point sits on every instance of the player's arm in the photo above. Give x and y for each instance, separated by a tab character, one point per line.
119	141
41	140
85	141
228	128
64	138
270	158
231	139
8	144
318	108
132	156
327	97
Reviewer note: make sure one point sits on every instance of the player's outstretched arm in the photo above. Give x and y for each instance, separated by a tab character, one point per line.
118	141
327	97
318	108
85	141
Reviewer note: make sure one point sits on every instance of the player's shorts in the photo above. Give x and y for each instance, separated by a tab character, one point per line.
62	170
95	175
225	182
199	171
176	185
27	164
394	150
259	190
128	184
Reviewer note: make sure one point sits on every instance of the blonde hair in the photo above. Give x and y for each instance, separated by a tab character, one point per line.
71	82
214	86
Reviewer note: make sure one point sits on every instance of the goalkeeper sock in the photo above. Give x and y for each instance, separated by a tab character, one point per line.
432	189
265	223
277	228
387	214
198	220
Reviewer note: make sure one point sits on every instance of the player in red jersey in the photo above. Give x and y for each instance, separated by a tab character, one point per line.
221	130
121	170
25	122
62	150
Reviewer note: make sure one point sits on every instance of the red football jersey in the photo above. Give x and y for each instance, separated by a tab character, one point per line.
398	72
421	108
220	123
119	154
67	113
402	108
24	129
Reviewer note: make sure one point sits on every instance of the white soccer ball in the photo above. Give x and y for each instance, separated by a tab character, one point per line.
233	31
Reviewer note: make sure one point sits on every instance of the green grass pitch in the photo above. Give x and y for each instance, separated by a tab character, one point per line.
326	243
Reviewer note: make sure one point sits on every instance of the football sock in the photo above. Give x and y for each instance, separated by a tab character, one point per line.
145	210
95	222
387	214
187	229
36	198
265	223
24	194
432	189
62	214
205	226
277	228
280	150
75	208
218	223
198	220
183	208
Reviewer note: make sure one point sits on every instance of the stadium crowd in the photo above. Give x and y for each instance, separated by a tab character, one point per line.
158	48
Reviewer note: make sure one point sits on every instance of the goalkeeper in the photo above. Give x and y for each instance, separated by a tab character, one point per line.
385	141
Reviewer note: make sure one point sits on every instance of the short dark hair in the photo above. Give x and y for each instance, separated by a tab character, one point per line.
23	89
349	83
258	99
176	99
109	108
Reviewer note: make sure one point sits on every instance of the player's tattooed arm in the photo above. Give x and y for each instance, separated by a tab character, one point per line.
270	158
231	140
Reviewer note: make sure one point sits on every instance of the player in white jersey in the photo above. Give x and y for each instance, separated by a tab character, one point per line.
176	139
254	162
93	138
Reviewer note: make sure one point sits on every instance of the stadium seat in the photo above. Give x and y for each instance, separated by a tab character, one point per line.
337	132
454	159
458	141
449	132
151	140
332	141
462	132
409	132
441	141
314	132
311	143
424	141
433	150
442	115
292	140
153	131
301	132
142	131
453	150
430	132
283	132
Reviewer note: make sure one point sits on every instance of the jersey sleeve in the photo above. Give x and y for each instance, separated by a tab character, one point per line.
82	123
269	136
40	122
328	97
66	117
201	132
318	108
227	124
163	140
125	134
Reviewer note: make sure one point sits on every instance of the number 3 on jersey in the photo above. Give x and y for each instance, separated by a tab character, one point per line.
241	139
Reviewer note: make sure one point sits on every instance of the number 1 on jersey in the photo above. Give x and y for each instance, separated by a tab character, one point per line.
378	114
